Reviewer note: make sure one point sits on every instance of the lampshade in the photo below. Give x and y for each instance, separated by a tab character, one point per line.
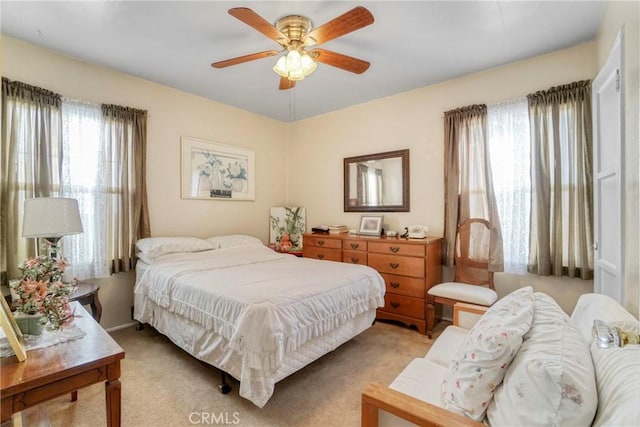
51	217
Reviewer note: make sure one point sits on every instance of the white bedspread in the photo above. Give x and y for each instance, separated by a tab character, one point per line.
263	303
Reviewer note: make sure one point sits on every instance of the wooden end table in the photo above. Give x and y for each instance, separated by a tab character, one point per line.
63	368
86	293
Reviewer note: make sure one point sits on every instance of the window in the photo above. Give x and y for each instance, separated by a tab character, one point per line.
82	178
54	147
509	149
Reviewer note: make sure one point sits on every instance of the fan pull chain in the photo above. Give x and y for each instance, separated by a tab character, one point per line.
292	104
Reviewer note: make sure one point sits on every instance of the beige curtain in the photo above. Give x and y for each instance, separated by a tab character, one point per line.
31	169
125	134
561	177
468	183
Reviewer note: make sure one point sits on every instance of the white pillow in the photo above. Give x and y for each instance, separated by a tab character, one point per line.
234	241
483	358
551	381
150	248
618	380
597	306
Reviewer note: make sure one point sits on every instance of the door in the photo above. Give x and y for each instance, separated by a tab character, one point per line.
607	90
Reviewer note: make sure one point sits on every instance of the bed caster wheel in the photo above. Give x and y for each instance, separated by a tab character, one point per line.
139	326
224	388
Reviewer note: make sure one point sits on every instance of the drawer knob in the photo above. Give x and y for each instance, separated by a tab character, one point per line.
320	242
354	245
394	285
394	265
355	259
320	256
394	249
395	304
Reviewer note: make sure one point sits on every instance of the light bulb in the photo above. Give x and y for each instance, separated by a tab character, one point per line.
294	62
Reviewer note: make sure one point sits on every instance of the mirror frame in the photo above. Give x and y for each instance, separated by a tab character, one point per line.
404	207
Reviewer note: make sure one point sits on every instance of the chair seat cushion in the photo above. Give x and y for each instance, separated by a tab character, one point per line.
473	294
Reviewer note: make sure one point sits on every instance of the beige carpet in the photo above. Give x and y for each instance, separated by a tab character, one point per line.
164	386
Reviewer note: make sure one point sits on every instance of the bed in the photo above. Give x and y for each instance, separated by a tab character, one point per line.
253	313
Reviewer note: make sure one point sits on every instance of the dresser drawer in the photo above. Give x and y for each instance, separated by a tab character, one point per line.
394	248
354	245
322	242
405	306
354	257
400	265
403	285
327	254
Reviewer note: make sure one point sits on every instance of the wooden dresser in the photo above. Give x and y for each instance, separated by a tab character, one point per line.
409	268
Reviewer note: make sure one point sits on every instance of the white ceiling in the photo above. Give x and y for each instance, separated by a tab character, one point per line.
410	45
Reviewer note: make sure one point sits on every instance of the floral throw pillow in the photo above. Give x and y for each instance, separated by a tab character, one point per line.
481	363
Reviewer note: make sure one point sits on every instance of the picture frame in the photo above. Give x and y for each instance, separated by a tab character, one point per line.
214	171
371	225
11	330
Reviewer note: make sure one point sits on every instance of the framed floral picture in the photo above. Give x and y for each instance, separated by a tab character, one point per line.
214	171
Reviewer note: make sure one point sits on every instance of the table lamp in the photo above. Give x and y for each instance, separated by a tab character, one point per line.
51	218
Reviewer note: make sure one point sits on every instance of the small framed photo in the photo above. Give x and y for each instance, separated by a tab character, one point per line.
11	330
371	225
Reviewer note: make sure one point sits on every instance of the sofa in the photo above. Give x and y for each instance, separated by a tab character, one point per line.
521	362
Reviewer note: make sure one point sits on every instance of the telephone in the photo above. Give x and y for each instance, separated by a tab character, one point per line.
416	232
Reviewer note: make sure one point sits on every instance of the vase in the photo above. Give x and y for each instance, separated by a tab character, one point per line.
30	324
285	243
237	184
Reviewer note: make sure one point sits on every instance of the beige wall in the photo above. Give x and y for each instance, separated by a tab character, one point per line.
625	17
414	120
171	114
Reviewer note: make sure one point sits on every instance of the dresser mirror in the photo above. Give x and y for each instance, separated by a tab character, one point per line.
377	182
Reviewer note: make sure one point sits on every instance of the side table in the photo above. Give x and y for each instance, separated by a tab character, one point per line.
86	293
56	370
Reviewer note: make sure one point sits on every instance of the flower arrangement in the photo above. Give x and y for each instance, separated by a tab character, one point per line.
221	176
42	290
237	171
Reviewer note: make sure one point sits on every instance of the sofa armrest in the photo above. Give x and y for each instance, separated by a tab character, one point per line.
378	397
466	315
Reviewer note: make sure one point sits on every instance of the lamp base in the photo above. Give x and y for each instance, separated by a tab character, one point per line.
52	245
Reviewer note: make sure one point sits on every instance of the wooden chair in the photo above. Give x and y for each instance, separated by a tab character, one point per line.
473	282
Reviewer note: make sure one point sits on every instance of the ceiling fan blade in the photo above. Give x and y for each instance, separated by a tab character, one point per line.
258	23
285	83
352	20
245	58
339	60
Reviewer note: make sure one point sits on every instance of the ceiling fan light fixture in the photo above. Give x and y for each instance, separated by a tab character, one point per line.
295	66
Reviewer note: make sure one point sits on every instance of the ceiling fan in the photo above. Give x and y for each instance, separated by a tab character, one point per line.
294	33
